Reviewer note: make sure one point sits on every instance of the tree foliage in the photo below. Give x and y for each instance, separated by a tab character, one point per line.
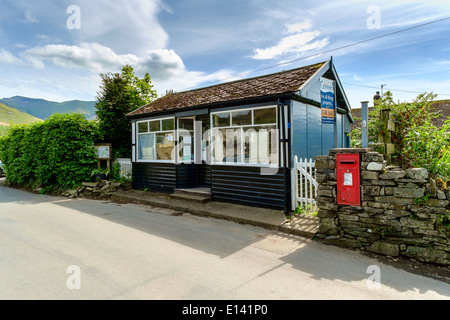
55	154
428	146
119	95
405	115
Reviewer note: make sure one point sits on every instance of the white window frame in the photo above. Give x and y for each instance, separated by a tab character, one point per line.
178	145
212	128
154	133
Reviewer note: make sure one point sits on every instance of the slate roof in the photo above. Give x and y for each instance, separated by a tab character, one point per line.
267	85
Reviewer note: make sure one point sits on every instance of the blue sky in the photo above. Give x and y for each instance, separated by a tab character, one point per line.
50	50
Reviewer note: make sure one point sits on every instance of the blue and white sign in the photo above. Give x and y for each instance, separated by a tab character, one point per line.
327	100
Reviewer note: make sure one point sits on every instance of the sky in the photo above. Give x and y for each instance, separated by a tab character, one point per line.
57	49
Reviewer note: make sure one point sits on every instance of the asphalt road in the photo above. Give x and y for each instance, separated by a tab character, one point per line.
59	248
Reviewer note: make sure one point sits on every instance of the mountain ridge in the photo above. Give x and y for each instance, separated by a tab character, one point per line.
42	109
10	115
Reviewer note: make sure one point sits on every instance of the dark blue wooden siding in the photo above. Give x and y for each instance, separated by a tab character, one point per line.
246	185
154	176
204	176
187	176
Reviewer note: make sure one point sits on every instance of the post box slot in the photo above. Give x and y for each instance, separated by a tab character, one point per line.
348	161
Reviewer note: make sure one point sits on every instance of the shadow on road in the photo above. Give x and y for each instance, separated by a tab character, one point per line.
316	259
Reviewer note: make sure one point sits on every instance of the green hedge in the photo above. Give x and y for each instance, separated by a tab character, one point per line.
428	146
55	154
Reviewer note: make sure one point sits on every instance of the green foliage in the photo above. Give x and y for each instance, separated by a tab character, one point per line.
11	115
407	117
298	210
355	136
98	172
422	200
443	222
3	130
115	172
382	231
55	154
119	95
428	146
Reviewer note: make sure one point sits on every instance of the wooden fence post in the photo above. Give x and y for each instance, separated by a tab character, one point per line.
386	136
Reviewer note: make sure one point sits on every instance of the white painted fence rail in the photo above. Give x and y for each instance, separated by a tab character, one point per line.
304	184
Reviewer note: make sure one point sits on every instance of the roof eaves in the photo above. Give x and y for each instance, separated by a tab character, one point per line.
139	112
215	105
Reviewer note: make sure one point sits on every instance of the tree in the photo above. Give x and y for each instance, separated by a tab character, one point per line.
120	94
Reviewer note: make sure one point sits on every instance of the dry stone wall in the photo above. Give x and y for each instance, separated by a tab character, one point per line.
399	213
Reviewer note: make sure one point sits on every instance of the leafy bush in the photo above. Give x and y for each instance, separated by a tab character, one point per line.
55	154
407	117
428	146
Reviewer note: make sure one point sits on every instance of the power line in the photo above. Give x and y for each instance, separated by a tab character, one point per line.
387	88
328	51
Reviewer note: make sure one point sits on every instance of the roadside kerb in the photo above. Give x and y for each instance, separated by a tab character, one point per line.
305	226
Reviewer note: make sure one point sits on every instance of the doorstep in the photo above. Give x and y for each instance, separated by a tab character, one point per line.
198	195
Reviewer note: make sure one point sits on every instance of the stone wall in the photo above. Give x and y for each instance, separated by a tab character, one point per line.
399	212
100	189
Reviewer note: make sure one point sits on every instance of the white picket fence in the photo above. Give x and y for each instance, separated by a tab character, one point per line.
304	184
126	168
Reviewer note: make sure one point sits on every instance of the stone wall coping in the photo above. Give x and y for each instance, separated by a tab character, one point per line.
350	150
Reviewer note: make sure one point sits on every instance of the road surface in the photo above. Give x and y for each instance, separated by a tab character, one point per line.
60	248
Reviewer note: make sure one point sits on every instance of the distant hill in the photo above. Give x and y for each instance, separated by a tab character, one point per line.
43	109
9	114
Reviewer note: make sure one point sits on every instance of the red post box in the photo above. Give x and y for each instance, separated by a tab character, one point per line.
348	179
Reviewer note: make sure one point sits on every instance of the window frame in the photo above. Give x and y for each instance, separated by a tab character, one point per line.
155	134
242	131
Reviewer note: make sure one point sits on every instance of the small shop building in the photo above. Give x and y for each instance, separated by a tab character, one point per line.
238	139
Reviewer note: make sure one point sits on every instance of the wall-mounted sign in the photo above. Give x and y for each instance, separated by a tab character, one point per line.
327	100
104	151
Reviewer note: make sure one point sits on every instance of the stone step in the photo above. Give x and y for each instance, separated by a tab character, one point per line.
204	192
190	197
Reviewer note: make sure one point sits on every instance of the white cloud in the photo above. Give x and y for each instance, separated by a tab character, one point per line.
7	57
126	26
292	44
187	80
297	41
42	37
91	56
160	63
299	27
30	17
165	66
